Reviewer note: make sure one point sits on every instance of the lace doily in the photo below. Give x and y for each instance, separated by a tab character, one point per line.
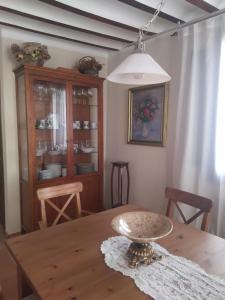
172	278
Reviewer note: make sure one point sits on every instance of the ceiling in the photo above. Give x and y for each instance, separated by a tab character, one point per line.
106	24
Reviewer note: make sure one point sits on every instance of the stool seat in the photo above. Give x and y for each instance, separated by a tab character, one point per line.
120	163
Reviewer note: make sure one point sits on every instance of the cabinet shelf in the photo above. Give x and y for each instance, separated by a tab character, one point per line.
82	129
49	129
86	104
83	153
50	155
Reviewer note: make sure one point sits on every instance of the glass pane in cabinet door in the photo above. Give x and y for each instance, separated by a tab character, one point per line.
22	123
51	130
85	130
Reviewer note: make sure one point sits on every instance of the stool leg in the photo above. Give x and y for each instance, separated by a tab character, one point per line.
118	187
121	186
112	175
128	183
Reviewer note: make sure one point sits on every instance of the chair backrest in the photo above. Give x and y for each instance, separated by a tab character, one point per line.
73	190
203	204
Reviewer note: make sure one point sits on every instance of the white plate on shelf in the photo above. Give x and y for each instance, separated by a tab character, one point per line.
56	169
45	174
87	149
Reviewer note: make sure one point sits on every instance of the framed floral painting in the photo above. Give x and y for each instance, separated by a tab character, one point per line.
148	115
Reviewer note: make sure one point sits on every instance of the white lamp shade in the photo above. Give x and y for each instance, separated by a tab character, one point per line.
139	69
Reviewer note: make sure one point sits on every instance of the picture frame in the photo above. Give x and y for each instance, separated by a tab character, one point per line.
147	120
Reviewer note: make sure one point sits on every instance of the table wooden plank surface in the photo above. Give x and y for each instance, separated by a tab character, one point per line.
65	263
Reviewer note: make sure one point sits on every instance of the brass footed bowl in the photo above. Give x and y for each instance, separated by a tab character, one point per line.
141	228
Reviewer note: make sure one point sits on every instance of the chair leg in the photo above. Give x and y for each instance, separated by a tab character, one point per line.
205	222
43	213
169	208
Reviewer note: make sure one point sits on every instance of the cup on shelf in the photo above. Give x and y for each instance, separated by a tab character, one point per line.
93	125
75	148
52	121
40	124
84	92
85	124
76	125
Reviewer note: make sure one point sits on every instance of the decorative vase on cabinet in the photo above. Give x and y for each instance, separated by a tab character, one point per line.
60	129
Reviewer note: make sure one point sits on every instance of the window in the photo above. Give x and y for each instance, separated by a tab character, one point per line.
220	123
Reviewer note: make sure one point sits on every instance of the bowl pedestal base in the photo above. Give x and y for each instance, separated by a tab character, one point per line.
141	253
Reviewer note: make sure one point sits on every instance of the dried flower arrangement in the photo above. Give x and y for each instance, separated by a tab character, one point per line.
31	53
89	65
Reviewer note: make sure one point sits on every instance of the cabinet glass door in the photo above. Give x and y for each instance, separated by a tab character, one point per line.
85	130
51	129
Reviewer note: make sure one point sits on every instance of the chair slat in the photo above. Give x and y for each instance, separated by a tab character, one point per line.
198	214
57	209
59	190
181	213
62	210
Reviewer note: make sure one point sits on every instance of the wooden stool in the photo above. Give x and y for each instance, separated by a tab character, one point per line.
120	165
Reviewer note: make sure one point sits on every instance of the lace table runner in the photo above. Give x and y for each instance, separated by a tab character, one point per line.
172	278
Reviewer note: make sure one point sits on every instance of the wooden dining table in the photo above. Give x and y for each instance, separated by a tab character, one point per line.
64	262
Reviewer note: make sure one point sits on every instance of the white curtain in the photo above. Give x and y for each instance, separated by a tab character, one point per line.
197	137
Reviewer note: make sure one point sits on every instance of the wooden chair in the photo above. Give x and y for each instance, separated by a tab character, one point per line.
203	204
45	195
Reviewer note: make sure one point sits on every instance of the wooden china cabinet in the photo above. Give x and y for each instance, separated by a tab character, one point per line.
60	128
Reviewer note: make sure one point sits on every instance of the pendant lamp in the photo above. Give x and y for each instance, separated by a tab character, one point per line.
139	68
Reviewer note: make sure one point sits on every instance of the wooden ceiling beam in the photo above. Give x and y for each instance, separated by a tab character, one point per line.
91	16
41	19
151	10
203	5
57	36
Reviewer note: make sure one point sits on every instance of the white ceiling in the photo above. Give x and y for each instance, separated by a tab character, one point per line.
109	24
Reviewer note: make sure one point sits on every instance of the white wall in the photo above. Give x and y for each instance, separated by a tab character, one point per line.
64	54
148	164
